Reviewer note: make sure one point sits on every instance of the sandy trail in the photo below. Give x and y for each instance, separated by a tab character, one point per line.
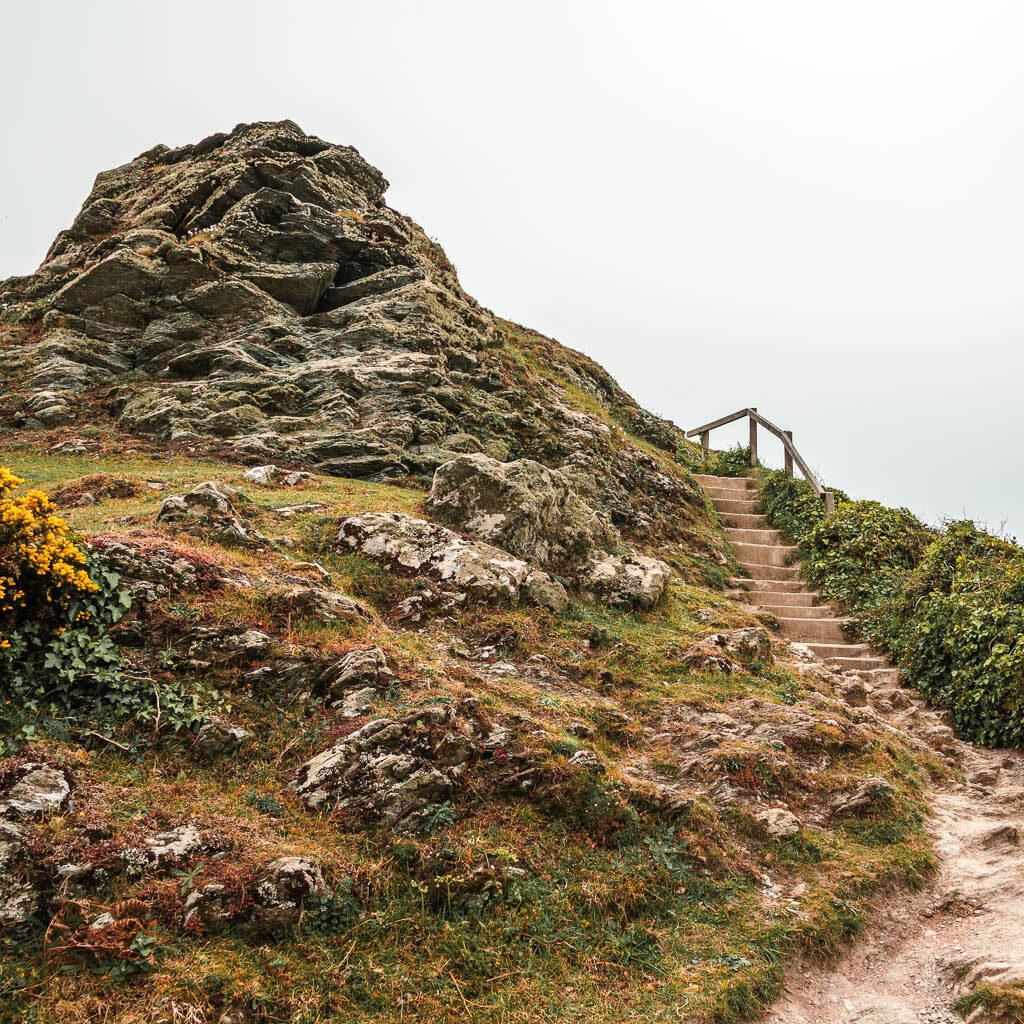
970	918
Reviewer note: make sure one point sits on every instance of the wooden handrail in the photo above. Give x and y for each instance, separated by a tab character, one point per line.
785	436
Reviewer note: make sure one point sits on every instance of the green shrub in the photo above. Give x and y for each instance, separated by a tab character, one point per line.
862	555
733	461
791	505
948	607
956	628
59	664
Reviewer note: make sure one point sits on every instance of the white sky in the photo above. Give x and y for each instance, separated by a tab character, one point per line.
811	207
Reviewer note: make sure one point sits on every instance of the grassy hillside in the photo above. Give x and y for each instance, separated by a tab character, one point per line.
294	749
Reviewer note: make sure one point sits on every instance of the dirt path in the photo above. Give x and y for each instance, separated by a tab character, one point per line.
970	918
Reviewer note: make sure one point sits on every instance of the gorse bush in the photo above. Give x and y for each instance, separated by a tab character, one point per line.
41	570
948	607
59	665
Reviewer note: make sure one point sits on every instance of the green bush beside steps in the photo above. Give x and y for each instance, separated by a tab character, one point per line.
947	605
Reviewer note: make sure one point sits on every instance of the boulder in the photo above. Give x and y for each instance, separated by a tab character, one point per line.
778	822
522	507
281	889
37	789
217	738
317	603
207	906
636	580
209	510
751	643
357	670
419	548
163	850
390	767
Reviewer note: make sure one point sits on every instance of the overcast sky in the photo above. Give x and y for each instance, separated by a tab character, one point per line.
812	207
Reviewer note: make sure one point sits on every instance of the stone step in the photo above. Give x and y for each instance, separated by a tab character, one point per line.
861	665
826	650
740	536
733	505
732	483
731	494
775	587
795	602
797	611
882	676
764	554
758	571
745	520
813	631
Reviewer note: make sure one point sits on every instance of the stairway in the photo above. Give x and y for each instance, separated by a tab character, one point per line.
775	584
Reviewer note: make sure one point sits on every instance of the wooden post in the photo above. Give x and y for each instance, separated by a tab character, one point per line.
705	447
753	440
789	458
830	503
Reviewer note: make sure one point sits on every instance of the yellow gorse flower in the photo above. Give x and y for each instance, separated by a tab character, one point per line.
41	569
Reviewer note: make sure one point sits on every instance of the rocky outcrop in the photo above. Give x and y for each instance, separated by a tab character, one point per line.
254	291
480	571
153	572
223	645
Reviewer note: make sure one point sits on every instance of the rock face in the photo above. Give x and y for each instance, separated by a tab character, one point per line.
254	291
479	570
523	507
152	573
